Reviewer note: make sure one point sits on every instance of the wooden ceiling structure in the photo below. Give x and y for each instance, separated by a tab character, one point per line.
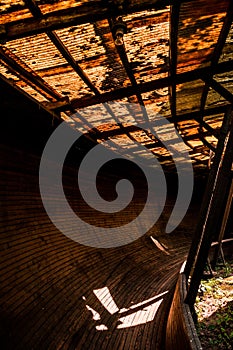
177	59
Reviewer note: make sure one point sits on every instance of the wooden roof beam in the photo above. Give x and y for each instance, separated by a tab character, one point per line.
28	75
69	58
220	89
125	61
174	26
58	106
65	53
41	105
35	10
89	12
198	73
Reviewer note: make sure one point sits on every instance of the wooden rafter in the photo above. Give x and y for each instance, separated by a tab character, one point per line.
125	61
184	77
66	54
174	26
28	75
41	105
220	89
89	12
35	10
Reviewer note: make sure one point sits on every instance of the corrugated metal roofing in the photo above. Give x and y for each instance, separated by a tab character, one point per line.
62	54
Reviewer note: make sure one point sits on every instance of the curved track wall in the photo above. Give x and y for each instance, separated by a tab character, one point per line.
58	294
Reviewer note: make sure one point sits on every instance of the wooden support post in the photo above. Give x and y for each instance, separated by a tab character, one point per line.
213	216
218	248
207	195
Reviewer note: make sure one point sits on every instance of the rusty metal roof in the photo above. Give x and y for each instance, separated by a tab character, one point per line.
176	58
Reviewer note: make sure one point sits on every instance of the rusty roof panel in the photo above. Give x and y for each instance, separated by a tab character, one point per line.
49	77
198	33
199	8
189	96
157	101
188	128
15	16
226	80
214	99
37	51
227	52
82	41
47	6
9	74
13	10
100	77
9	5
147	44
31	92
68	84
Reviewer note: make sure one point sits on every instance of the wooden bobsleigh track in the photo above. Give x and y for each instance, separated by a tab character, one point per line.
58	294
